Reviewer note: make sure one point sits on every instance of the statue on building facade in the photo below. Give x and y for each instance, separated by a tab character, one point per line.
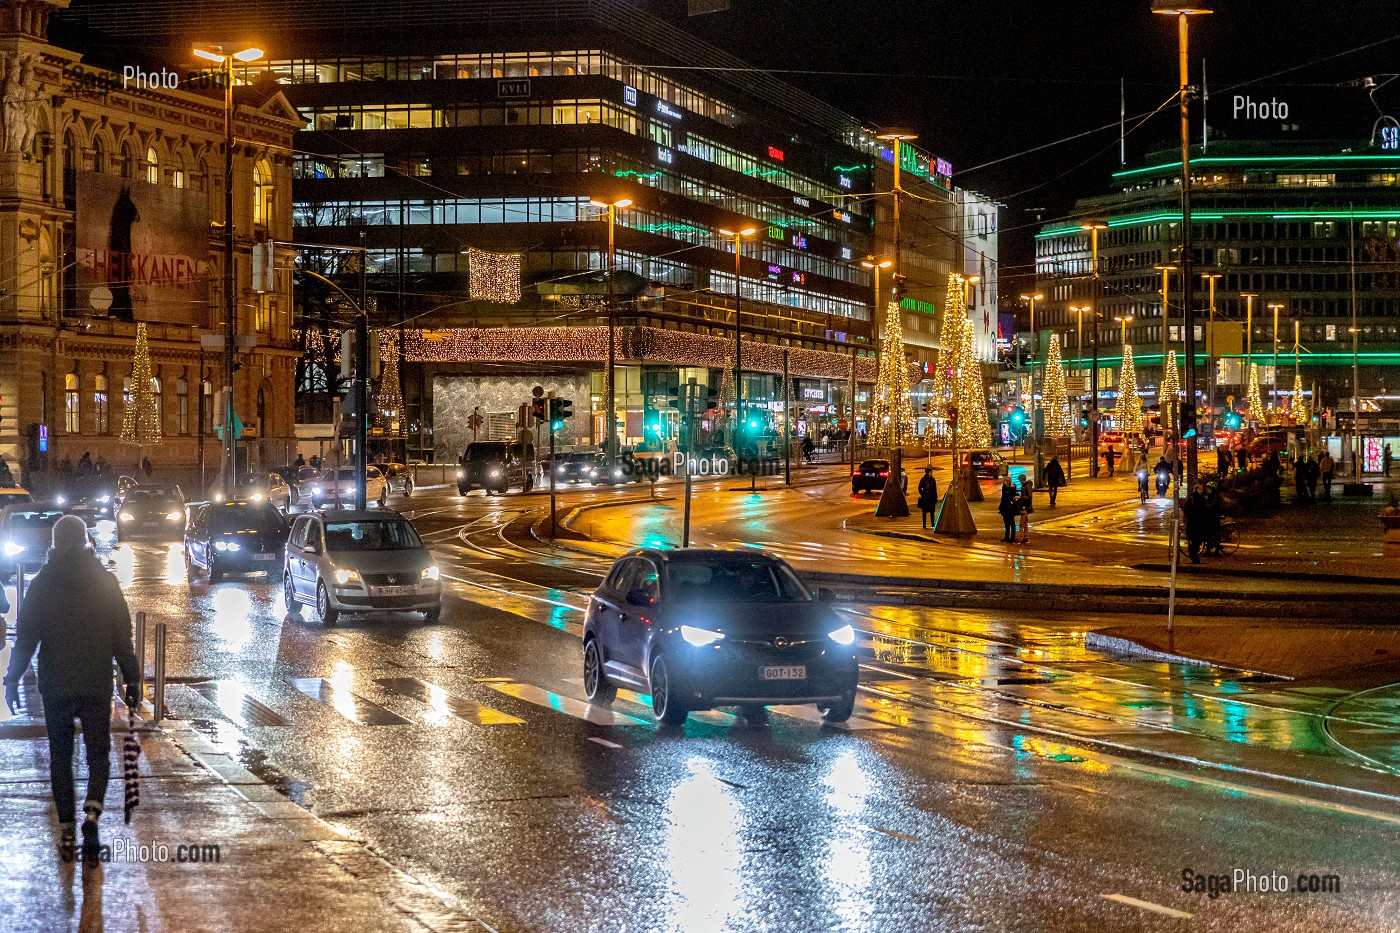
19	103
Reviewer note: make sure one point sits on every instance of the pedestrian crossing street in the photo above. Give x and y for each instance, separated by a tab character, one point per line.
233	701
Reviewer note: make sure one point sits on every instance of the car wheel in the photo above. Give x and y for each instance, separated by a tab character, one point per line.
841	710
595	683
855	490
664	702
215	574
462	490
328	613
755	714
289	595
383	496
407	488
432	616
191	573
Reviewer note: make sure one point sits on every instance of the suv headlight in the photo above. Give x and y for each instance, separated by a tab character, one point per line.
11	549
173	516
343	576
845	635
431	572
700	637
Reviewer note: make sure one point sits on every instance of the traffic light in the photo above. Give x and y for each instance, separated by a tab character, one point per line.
675	398
1188	421
559	409
952	415
1018	417
537	410
1233	420
1083	417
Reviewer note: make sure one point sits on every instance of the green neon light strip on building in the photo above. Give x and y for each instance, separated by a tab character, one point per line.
1285	360
849	168
1221	215
1285	160
631	174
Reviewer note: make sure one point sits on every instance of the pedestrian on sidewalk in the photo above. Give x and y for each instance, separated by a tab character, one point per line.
1008	507
807	448
1313	472
1224	462
1025	505
1110	456
1242	457
1054	478
1196	512
1386	458
1326	470
75	615
1300	481
928	495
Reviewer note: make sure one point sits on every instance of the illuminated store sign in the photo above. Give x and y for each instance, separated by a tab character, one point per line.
776	154
666	110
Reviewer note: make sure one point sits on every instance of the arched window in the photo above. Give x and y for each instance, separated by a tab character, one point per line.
182	406
263	188
99	155
129	160
71	157
152	166
176	171
99	405
72	412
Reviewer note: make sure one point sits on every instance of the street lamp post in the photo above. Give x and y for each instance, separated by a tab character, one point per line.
738	237
1125	321
225	61
611	208
1275	307
1183	11
1094	227
1036	423
875	264
1211	278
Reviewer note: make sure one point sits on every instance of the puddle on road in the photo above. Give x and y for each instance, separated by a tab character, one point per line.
255	760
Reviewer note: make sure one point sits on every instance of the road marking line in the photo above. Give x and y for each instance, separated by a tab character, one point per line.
444	703
1148	905
603	742
598	715
352	706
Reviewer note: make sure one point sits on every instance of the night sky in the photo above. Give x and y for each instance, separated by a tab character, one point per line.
984	80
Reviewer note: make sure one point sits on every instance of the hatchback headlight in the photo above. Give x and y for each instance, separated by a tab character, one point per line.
431	572
126	517
173	516
11	549
700	637
845	635
343	576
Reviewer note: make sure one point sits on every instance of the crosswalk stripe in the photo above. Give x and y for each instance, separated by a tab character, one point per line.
444	703
598	715
809	713
352	706
234	703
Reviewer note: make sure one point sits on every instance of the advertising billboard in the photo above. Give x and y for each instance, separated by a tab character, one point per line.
142	249
980	260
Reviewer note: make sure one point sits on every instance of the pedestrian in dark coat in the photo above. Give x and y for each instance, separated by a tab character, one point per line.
1009	507
928	495
1386	458
1196	512
1300	481
1025	505
1313	473
75	615
1326	469
1054	477
1242	456
1224	461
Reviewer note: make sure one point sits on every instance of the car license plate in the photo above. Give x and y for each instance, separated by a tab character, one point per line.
785	672
264	557
391	590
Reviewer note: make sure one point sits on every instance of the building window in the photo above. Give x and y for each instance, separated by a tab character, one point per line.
99	156
182	406
99	404
72	413
152	166
263	188
177	172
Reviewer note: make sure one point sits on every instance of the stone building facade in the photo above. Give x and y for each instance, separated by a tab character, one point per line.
111	214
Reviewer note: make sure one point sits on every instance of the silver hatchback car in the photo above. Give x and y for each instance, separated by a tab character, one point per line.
345	561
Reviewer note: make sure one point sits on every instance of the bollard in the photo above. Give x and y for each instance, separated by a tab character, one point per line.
159	700
141	654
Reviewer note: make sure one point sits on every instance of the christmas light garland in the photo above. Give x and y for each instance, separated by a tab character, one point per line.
1254	403
891	414
974	427
493	276
141	419
389	400
1055	400
1169	398
1299	406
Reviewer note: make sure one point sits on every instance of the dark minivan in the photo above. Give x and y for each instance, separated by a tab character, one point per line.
496	466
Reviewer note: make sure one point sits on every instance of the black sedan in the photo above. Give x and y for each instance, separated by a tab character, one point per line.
698	629
235	536
575	468
156	510
872	475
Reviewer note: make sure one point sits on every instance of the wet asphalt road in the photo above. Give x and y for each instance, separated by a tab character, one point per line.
460	754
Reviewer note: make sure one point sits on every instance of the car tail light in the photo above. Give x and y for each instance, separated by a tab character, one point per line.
884	472
855	472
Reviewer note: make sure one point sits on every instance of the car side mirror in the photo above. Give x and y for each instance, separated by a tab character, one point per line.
312	549
639	598
825	595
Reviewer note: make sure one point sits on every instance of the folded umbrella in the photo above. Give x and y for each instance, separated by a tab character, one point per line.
131	772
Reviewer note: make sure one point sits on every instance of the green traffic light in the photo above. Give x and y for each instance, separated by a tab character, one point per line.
556	426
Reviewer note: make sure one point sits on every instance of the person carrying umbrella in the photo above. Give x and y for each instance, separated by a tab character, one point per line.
75	615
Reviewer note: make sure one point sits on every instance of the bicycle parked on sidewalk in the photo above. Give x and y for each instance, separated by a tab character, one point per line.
1226	545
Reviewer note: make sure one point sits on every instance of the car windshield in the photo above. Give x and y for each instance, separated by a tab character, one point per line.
344	476
308	473
45	519
480	452
10	498
372	535
244	516
733	581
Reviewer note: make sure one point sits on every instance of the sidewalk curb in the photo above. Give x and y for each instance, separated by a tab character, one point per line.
1121	645
1249	573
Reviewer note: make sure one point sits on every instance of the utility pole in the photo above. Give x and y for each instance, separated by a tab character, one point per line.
362	376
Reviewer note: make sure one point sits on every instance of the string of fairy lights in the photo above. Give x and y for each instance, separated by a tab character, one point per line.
1058	421
1129	413
494	277
141	420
